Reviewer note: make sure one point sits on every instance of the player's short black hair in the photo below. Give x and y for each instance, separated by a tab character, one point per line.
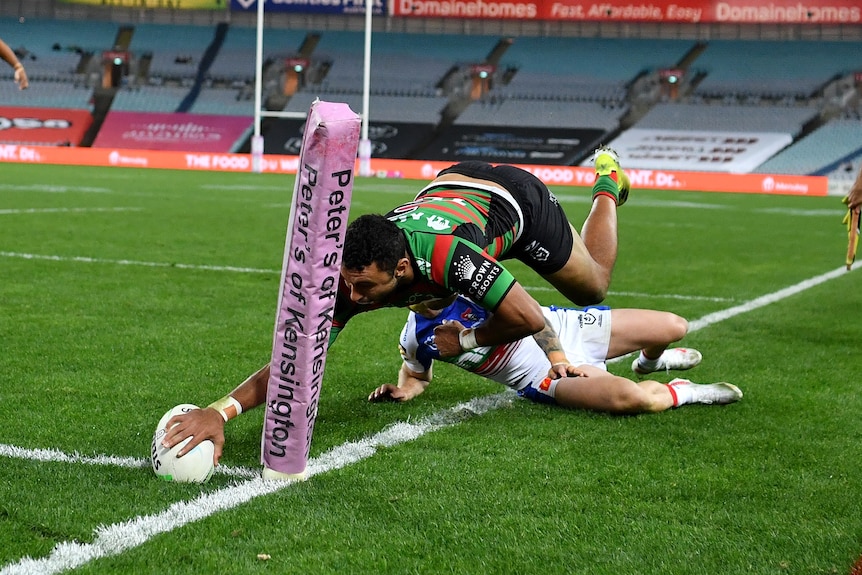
372	238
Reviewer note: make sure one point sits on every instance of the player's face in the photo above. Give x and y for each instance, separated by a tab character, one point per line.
370	285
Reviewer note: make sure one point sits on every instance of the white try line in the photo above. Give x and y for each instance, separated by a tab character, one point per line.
55	455
114	539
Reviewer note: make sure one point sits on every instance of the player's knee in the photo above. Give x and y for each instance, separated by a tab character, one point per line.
584	295
596	296
678	327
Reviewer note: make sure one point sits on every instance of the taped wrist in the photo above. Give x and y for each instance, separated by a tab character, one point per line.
227	406
467	339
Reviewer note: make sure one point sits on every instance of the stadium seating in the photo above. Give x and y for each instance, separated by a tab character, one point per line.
223	101
401	64
544	114
45	94
176	50
818	151
773	69
727	118
54	49
234	62
149	98
585	68
381	108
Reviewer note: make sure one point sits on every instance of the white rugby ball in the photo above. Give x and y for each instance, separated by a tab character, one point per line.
196	466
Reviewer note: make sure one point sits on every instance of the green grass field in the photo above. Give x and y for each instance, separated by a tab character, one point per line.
124	292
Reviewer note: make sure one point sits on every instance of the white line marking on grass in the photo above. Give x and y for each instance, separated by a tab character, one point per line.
836	213
638	294
83	259
764	300
55	455
52	189
64	210
114	539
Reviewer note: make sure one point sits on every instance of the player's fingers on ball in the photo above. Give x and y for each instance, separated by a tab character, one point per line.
193	442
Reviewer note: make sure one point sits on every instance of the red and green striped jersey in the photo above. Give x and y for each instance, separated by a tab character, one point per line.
456	237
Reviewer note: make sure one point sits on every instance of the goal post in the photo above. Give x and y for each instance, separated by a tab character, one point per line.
257	142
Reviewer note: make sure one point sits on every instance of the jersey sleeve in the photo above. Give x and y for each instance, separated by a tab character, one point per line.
463	267
409	346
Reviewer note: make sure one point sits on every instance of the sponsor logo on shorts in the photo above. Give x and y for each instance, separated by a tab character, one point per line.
536	252
587	318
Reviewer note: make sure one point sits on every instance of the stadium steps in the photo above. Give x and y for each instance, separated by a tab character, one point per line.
206	61
689	57
124	37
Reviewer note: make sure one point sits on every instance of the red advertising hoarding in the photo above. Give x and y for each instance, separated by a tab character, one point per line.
178	132
43	126
678	11
415	169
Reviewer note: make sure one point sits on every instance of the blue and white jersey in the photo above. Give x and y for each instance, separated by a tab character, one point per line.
584	335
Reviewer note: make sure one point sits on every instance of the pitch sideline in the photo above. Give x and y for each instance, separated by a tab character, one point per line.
114	539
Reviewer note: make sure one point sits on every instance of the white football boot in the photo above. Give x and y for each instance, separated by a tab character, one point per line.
677	358
720	393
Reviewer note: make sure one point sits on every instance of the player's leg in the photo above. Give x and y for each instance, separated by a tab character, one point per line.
603	391
644	329
651	332
586	276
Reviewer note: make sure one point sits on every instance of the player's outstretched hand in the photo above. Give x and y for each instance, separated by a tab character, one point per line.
199	424
565	369
388	392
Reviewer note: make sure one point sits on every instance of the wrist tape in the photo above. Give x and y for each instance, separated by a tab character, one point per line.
227	406
467	339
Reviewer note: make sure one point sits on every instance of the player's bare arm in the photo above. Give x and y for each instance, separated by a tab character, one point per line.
517	316
208	423
410	384
549	341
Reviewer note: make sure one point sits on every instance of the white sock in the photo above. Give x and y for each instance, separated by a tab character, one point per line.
648	364
682	391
